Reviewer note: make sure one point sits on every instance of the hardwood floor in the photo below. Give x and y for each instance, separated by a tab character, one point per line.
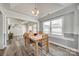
17	48
2	52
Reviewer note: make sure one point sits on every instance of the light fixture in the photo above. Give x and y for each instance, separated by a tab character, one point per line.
35	11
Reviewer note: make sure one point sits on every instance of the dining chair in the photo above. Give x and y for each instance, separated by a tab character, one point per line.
44	43
26	40
40	32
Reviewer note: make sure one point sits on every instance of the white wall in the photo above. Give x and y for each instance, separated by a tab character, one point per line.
17	28
68	23
1	31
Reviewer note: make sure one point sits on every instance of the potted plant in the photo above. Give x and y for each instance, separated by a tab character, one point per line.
10	36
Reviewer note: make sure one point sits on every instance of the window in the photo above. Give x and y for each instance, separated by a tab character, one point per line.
29	28
23	28
56	26
46	27
53	27
35	28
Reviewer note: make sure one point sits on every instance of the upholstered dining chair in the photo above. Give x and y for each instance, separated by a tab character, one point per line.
43	44
40	32
26	39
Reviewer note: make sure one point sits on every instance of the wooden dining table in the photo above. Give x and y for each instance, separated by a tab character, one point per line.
36	39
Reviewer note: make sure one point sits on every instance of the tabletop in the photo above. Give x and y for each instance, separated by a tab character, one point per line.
36	37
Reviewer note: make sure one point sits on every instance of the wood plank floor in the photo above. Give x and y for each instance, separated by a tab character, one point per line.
17	48
2	52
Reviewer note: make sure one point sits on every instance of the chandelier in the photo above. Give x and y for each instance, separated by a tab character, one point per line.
35	11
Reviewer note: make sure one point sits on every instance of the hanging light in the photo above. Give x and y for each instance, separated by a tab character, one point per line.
35	11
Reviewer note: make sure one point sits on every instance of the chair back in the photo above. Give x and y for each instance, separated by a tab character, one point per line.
26	39
45	42
45	36
40	32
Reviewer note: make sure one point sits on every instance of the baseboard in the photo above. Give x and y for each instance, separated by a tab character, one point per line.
75	50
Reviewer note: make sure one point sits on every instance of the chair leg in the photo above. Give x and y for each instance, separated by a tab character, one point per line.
47	49
25	42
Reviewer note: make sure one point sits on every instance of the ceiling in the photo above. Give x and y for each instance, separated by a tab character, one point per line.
15	21
44	8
